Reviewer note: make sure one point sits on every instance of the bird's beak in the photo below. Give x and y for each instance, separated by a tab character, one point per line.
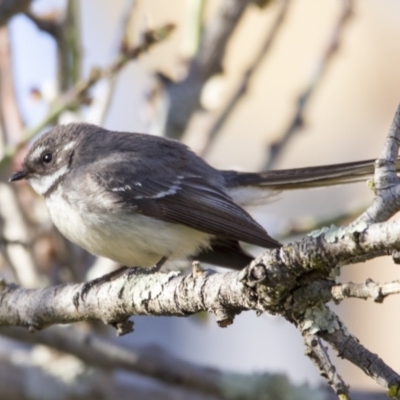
18	176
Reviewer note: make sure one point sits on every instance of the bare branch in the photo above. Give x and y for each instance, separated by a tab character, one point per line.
369	289
319	355
349	348
241	90
13	227
297	120
13	224
193	27
185	95
47	23
101	353
8	8
274	283
78	94
157	363
64	28
69	48
386	183
230	385
9	110
323	322
65	31
40	374
122	43
277	271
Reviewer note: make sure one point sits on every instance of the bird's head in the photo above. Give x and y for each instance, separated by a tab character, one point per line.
49	158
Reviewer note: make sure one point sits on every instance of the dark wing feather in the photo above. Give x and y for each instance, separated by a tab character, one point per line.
225	253
188	199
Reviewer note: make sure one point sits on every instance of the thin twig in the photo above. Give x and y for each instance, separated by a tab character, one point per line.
122	42
269	283
5	241
48	23
157	363
193	27
102	353
79	92
64	28
185	95
13	227
153	362
69	48
321	321
349	348
14	224
386	184
319	355
297	120
27	376
367	290
10	113
8	8
242	88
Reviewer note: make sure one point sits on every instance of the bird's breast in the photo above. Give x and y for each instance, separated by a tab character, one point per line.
128	238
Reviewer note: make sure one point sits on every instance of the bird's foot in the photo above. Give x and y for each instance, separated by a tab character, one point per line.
87	286
147	271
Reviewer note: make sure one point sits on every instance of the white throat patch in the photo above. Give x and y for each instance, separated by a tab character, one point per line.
41	184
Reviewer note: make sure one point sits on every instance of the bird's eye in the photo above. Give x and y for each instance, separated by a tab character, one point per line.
46	158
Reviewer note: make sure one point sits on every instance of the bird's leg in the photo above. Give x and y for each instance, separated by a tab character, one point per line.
155	268
102	279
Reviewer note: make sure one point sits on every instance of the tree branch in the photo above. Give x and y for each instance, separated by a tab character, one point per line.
41	374
242	88
8	8
319	355
275	267
122	38
78	94
102	353
274	283
10	113
295	281
185	95
47	23
386	184
297	120
156	363
349	348
370	289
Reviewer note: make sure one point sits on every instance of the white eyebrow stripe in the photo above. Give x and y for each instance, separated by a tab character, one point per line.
37	152
69	145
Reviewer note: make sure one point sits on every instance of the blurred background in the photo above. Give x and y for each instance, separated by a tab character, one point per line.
248	85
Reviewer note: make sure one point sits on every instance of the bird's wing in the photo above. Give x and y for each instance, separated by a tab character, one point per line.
186	199
225	253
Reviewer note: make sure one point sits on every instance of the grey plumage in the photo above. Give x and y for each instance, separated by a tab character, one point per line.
137	198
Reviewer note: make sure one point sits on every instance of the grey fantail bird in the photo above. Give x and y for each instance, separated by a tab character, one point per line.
140	199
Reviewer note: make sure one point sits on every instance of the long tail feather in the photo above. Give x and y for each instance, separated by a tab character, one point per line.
300	178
